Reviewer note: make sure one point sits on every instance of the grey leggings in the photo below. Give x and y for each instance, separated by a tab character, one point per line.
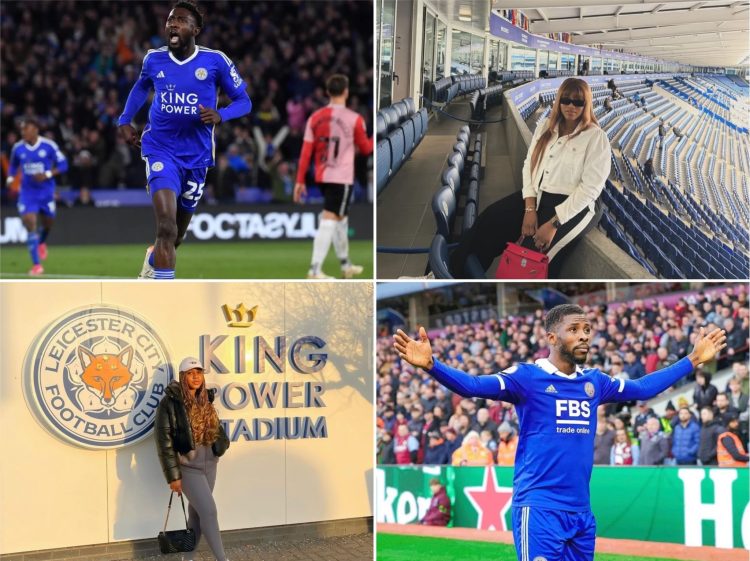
198	479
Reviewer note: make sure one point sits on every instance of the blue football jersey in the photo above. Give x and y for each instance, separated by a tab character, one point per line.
180	86
43	156
557	418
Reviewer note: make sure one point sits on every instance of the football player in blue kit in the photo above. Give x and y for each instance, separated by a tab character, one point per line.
40	161
556	401
178	142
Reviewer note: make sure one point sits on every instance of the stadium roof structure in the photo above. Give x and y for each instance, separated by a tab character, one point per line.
709	33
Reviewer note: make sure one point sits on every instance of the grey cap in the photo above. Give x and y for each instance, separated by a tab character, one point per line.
505	427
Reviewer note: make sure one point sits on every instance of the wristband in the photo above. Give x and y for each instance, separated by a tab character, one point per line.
48	174
529	209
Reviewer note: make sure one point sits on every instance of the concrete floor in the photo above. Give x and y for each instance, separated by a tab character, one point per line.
404	212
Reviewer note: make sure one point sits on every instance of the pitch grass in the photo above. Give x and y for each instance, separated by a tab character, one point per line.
232	260
392	547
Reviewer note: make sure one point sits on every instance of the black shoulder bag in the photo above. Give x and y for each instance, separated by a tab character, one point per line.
176	541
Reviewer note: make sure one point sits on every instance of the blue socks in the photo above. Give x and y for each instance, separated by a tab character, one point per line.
163	273
33	244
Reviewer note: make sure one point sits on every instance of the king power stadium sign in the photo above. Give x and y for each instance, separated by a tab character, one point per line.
693	506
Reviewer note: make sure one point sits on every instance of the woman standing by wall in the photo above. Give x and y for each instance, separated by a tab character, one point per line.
189	440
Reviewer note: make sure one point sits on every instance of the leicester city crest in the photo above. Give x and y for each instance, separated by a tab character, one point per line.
589	389
95	376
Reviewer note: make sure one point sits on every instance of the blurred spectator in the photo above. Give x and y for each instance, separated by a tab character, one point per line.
736	336
737	399
723	411
710	431
453	441
654	444
472	453
84	198
608	104
705	392
603	439
506	448
385	448
405	446
624	452
484	422
730	450
633	366
223	179
439	512
669	420
644	414
685	438
438	451
740	371
488	441
657	360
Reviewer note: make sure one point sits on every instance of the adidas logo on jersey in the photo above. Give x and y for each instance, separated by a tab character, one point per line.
160	74
550	389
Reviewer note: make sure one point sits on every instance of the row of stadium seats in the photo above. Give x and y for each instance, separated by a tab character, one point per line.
559	73
483	99
664	244
400	128
446	89
445	202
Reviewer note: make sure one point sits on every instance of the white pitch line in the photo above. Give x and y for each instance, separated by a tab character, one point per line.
55	276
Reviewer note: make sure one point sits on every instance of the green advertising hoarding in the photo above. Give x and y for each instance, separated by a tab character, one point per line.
686	505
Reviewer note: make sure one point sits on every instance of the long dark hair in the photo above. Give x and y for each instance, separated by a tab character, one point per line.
568	88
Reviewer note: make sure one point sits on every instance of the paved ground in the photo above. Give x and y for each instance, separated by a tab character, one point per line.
357	547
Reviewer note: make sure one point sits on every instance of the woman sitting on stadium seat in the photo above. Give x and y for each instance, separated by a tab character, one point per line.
564	173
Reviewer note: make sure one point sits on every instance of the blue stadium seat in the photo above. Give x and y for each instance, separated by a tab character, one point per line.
390	114
425	120
416	122
451	178
409	141
444	209
438	259
473	193
470	216
410	105
384	163
457	161
402	109
381	127
396	139
460	147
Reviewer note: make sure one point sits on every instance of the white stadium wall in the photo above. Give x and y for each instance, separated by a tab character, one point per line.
54	492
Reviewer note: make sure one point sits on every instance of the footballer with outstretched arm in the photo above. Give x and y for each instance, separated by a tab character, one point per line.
556	401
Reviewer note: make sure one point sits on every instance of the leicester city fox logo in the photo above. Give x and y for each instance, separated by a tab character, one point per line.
95	376
105	380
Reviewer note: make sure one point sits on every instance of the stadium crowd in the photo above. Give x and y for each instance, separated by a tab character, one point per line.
72	64
420	422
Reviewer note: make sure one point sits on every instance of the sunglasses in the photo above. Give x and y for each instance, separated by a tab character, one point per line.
568	101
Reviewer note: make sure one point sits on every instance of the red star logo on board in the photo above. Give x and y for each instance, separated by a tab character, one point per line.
490	501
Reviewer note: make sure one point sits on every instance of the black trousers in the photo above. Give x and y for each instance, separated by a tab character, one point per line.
501	223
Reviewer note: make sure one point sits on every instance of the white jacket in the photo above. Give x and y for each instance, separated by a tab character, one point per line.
577	167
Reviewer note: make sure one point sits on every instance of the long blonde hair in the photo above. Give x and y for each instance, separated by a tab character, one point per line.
204	420
568	88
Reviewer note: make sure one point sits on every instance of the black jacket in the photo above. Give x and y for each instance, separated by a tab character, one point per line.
709	438
174	435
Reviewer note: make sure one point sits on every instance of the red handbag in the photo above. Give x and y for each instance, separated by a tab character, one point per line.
519	262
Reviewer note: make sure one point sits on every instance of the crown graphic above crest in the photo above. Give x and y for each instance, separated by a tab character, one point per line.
171	87
239	316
